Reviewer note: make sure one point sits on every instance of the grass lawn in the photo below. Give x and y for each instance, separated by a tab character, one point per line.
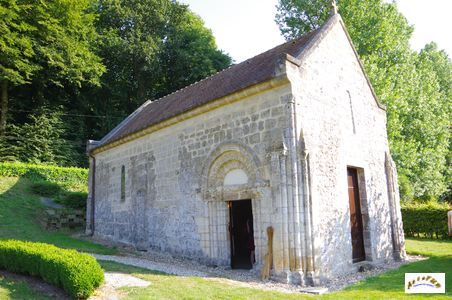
429	247
389	285
19	211
11	289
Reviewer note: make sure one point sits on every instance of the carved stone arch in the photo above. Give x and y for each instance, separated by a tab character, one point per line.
224	159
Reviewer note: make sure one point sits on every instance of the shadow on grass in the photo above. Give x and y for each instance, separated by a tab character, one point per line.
126	269
20	210
16	289
389	285
394	280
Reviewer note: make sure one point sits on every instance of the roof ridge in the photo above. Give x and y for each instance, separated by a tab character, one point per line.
235	77
234	65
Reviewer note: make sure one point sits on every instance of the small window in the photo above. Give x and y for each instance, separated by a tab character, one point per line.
123	183
351	111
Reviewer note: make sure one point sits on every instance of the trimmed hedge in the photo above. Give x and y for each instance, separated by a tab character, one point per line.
425	220
77	273
55	174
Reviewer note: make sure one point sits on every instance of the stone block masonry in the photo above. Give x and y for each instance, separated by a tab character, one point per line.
55	219
286	144
167	203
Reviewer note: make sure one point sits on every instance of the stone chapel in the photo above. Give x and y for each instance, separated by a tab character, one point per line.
293	139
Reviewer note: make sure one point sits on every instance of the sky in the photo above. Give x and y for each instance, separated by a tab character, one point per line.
245	28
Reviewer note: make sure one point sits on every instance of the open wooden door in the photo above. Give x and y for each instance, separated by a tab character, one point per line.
241	233
356	219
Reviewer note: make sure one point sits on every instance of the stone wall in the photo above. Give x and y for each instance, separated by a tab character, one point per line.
175	200
55	219
291	142
340	125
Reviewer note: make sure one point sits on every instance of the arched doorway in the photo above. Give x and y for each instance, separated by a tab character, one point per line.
232	187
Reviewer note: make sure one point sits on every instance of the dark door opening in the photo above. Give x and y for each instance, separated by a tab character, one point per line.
241	234
356	219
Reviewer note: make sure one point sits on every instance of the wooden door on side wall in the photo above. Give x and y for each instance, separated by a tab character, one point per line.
356	219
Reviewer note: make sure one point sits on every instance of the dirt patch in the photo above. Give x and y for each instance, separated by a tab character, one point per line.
117	280
38	285
113	281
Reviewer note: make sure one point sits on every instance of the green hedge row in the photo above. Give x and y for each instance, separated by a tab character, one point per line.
425	220
77	273
33	172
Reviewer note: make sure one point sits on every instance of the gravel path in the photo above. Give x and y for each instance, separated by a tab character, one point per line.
157	261
151	265
118	280
113	281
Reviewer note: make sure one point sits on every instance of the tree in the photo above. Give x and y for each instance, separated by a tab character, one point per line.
415	87
94	62
41	140
152	48
46	41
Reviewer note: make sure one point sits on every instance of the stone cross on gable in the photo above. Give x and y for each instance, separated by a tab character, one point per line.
334	5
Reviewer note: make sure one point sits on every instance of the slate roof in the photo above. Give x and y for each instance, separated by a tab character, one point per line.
255	70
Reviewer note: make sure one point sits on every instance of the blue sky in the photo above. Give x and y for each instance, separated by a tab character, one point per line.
244	28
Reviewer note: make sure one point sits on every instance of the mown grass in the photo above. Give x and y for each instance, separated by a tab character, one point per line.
19	209
427	247
389	285
17	289
19	218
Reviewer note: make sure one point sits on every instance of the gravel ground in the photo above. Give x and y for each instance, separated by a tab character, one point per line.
113	281
118	280
157	261
340	282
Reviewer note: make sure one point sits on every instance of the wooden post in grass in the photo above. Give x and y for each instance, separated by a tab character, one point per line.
268	259
449	219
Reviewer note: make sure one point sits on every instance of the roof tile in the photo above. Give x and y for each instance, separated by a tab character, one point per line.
233	79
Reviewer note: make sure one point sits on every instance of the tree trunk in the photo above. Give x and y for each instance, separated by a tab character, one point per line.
3	106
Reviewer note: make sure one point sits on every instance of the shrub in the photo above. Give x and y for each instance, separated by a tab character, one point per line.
46	189
77	273
405	188
425	219
67	176
75	200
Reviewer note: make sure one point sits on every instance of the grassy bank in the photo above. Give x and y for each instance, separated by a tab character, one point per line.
19	218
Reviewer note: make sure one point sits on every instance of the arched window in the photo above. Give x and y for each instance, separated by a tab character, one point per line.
123	183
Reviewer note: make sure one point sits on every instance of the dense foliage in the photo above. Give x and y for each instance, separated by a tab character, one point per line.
425	220
78	274
46	43
72	70
415	87
43	138
37	173
61	194
45	188
75	200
